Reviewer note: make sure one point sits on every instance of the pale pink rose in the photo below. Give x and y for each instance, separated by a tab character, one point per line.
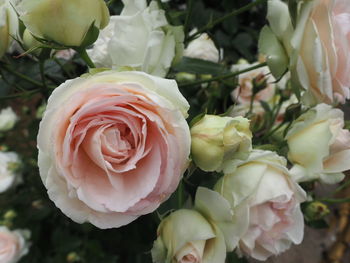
113	146
13	245
244	91
265	203
322	51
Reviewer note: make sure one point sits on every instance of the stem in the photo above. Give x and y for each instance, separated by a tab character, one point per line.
22	76
188	16
58	62
343	186
84	55
42	73
180	195
220	20
222	77
22	94
335	201
251	104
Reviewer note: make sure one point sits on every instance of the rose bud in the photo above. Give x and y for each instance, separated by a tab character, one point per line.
8	25
185	236
218	141
66	22
8	119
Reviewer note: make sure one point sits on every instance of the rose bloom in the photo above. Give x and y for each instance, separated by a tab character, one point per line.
185	236
244	91
140	38
202	48
265	203
319	146
9	170
322	43
13	245
113	146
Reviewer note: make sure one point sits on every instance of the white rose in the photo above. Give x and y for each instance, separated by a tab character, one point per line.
9	166
8	119
202	48
8	25
13	244
319	147
139	38
265	203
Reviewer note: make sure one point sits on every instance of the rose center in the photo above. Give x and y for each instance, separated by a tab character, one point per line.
118	142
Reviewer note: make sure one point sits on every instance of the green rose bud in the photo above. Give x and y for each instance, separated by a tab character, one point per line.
315	210
218	141
66	22
8	25
186	236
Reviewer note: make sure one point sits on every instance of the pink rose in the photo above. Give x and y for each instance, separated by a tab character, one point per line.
243	93
322	43
13	245
113	146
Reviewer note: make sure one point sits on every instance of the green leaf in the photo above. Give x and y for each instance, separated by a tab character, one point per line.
199	66
269	45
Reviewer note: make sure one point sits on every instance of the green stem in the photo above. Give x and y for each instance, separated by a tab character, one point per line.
343	186
251	104
222	77
180	195
22	76
42	73
334	200
220	20
84	55
22	94
188	17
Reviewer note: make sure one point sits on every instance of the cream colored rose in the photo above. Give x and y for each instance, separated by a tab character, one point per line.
319	147
8	119
139	38
13	244
321	59
8	25
185	236
66	22
316	51
218	141
202	48
9	170
265	203
113	146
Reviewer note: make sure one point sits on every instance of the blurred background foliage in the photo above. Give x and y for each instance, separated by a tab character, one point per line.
55	238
